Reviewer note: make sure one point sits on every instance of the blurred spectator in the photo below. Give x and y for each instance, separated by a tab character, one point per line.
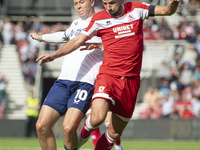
23	49
7	31
3	86
187	93
197	45
196	26
176	61
154	107
27	24
175	67
185	78
196	107
190	55
187	112
196	74
193	7
168	102
182	109
196	88
32	106
20	34
163	71
29	71
164	88
36	24
176	32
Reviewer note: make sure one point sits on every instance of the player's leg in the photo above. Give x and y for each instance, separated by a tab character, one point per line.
115	129
47	118
71	121
53	107
78	104
125	92
95	135
99	111
118	145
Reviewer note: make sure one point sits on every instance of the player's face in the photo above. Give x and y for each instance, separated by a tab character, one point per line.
114	7
84	8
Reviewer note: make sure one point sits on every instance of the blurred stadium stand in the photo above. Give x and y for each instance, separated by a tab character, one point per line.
16	91
51	10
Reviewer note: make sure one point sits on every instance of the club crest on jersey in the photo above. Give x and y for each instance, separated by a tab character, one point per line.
130	17
101	89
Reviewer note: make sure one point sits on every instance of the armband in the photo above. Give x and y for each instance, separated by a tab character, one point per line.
152	10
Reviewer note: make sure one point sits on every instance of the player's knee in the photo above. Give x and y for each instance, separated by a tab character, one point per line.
41	128
115	135
69	130
97	120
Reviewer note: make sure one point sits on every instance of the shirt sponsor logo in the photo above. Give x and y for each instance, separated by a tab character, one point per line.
123	31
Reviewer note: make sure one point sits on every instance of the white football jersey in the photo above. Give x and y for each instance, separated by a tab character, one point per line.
81	65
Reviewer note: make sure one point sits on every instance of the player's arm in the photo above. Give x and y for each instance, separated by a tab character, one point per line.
91	46
57	37
167	10
67	48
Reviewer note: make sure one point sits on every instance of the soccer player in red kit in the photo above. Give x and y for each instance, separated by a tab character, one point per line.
121	28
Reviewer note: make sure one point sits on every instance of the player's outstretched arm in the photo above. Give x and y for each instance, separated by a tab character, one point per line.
167	10
36	36
57	37
67	48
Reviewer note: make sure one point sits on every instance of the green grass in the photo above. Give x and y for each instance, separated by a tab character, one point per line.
33	144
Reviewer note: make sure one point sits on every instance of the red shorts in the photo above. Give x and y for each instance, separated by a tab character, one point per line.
120	91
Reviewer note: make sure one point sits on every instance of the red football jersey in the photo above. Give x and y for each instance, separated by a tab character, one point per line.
122	38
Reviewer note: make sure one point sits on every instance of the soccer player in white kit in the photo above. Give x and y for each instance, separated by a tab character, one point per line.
121	28
72	92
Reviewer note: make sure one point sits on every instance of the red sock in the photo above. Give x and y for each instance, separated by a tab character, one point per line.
95	136
87	128
118	142
85	132
104	142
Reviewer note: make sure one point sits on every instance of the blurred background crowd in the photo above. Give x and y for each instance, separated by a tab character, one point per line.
178	93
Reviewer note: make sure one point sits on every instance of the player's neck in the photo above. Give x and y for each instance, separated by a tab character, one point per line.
90	14
119	12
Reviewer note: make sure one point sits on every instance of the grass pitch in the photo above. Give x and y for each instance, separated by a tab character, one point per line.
33	144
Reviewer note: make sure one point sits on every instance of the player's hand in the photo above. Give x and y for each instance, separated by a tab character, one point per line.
45	58
36	36
90	46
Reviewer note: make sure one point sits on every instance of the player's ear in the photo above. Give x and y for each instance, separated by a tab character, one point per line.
92	2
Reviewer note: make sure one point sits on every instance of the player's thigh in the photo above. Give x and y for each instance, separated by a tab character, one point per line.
116	126
72	118
100	108
47	117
